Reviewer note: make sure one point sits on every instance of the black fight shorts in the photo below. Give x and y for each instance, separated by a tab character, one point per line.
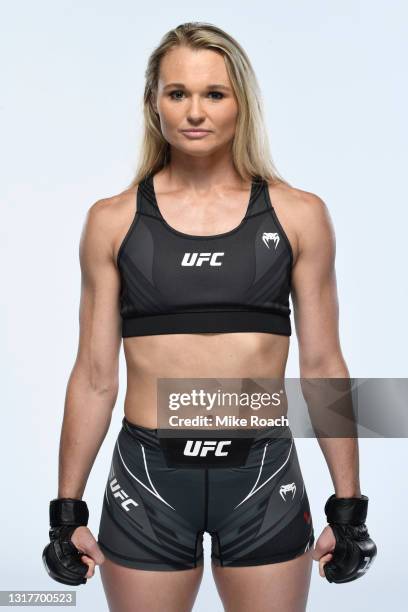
154	515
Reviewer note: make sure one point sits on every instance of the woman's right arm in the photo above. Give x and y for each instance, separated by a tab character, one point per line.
94	381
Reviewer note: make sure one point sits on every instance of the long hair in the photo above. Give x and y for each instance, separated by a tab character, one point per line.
250	147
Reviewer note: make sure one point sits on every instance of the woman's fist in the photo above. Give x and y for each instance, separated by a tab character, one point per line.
323	549
85	542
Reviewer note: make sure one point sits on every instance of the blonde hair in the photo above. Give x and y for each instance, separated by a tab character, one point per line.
250	148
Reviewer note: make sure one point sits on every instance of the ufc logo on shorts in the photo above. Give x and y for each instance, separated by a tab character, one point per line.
118	492
197	259
200	448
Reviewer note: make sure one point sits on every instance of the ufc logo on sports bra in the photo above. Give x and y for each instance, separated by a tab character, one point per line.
200	448
197	259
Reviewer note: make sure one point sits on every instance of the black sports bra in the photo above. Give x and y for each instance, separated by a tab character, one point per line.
176	283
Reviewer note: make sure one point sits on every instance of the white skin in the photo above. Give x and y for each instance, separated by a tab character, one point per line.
207	186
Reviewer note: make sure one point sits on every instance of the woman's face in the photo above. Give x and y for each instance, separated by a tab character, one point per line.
194	91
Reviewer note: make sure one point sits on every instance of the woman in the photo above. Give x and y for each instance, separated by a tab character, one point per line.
193	266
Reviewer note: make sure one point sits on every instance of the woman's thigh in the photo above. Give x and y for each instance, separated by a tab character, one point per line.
136	590
262	530
150	528
282	587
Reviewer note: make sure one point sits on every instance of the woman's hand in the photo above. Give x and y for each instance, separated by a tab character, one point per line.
85	542
324	547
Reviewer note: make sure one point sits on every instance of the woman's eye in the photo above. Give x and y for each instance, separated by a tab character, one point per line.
171	94
218	93
178	91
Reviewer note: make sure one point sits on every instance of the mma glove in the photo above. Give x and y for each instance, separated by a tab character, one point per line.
354	551
61	558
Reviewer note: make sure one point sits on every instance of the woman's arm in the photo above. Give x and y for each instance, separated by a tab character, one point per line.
93	384
316	313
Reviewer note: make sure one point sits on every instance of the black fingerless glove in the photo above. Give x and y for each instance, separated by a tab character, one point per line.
61	558
355	550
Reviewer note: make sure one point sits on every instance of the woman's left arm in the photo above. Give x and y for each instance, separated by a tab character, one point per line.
316	314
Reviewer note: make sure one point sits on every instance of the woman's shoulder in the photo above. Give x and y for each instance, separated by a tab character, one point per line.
114	203
300	212
113	210
296	205
108	219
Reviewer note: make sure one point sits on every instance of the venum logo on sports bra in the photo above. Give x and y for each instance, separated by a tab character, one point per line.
266	236
196	259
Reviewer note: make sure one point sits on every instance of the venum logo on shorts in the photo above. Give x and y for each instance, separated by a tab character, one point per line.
287	488
197	259
118	492
200	448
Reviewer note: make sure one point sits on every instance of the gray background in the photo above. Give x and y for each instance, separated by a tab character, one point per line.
333	79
